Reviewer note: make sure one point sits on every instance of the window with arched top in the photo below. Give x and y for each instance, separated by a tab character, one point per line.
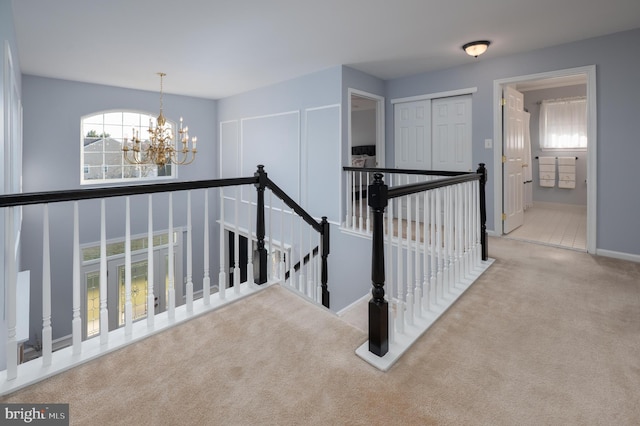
101	141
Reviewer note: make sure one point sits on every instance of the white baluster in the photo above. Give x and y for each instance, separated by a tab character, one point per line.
459	231
76	322
445	238
104	313
283	265
250	277
11	294
475	225
417	291
272	247
366	204
389	273
361	204
409	299
189	285
292	270
400	263
425	252
352	191
438	193
433	280
206	281
151	300
452	234
222	276
172	291
310	268
47	343
128	313
236	244
302	284
472	231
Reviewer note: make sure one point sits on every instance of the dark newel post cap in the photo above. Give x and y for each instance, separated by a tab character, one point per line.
377	192
261	175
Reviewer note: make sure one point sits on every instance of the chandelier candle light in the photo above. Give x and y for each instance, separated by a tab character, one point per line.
160	148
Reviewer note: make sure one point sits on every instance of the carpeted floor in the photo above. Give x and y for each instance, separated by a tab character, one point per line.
545	336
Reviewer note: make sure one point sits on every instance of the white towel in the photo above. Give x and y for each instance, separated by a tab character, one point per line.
547	171
567	172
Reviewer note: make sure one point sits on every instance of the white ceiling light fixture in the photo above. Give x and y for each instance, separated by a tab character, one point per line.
476	48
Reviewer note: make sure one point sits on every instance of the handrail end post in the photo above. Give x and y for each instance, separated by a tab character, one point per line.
482	171
325	266
378	307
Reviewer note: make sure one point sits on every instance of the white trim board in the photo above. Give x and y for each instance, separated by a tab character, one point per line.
425	97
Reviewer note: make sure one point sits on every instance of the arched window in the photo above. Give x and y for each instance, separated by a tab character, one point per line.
102	136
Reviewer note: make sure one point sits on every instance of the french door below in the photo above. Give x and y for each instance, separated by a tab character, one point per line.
116	291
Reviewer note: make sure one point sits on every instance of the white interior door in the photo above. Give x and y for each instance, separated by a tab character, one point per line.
451	133
412	124
513	151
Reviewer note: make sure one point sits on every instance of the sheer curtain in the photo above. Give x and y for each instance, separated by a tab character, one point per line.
563	123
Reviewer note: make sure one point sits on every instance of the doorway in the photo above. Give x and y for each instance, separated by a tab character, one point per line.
115	272
574	77
366	129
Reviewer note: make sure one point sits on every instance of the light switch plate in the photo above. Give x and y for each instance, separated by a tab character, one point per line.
488	143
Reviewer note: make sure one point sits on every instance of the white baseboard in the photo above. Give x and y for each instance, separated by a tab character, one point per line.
618	255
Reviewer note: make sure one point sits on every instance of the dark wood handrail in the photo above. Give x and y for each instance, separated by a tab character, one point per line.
29	198
404	171
412	188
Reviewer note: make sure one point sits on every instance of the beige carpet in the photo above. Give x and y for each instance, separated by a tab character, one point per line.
545	336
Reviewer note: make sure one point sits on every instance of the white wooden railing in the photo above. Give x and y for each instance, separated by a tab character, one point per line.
429	246
278	253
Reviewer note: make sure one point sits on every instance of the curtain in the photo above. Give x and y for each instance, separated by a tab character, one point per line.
563	124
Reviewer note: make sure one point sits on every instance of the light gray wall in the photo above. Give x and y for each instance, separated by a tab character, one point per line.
52	112
617	96
578	195
266	121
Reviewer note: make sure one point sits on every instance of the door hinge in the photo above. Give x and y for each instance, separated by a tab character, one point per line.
504	216
503	101
504	158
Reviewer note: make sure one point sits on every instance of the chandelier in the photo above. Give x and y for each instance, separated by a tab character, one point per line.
160	148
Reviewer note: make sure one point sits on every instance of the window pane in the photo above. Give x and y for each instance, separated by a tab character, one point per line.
113	118
94	120
113	131
130	119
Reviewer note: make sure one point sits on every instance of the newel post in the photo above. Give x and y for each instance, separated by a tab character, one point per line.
324	277
482	171
260	254
378	306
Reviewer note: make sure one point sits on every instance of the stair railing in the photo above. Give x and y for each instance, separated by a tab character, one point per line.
78	348
435	245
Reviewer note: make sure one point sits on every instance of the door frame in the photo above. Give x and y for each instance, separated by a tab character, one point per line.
380	136
590	72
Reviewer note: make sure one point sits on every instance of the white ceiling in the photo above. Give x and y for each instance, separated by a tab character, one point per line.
218	48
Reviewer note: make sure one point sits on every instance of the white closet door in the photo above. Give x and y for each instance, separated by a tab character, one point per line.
451	140
412	122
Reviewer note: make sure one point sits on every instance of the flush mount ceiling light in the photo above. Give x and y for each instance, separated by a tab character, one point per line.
476	48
